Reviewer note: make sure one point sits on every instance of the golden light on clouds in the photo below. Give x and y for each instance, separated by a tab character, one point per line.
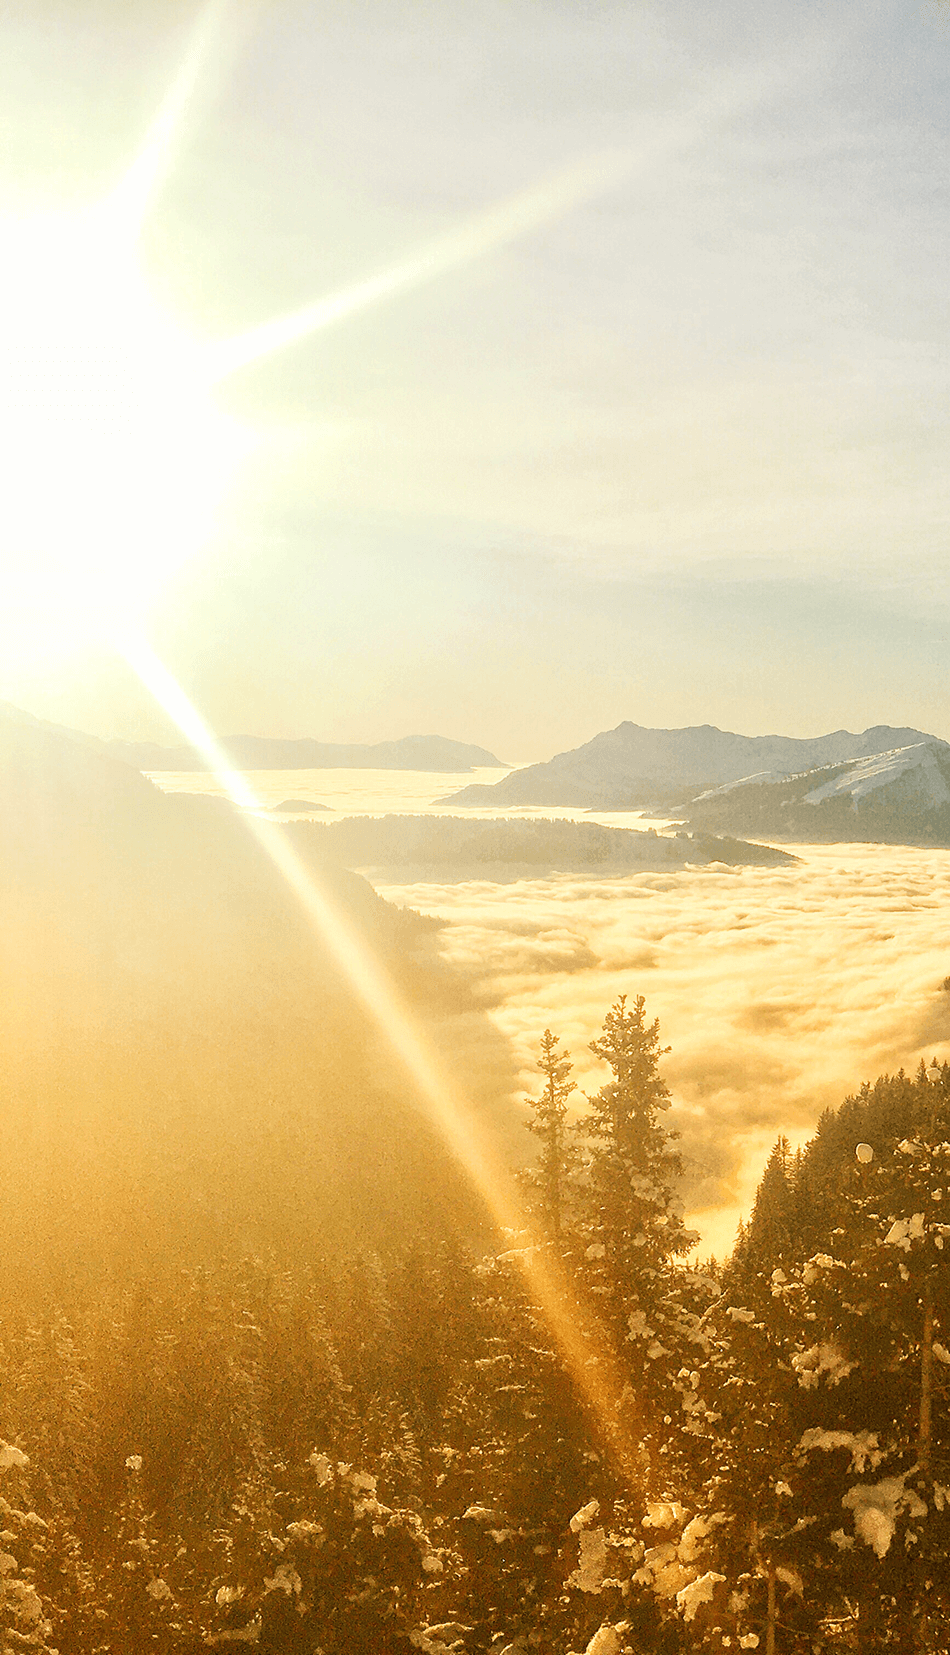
779	990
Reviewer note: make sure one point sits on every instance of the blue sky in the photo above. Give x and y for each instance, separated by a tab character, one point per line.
678	454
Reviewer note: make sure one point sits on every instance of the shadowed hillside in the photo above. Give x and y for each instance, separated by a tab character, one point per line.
185	1070
455	846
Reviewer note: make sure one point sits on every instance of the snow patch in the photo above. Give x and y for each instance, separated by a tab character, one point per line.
876	1507
862	1445
697	1592
868	775
592	1563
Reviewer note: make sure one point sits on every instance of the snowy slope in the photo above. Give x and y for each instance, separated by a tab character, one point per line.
901	795
632	767
917	764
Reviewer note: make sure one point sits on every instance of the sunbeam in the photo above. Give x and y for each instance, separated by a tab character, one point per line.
130	202
498	225
113	405
475	238
582	1350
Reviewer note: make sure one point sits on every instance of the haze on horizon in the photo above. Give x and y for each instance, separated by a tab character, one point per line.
646	433
674	454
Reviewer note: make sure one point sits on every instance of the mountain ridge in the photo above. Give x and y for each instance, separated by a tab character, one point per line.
428	752
633	766
432	753
900	796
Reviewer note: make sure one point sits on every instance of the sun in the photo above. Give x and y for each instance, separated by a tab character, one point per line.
113	455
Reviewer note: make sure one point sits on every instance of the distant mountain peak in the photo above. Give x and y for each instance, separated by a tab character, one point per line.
633	767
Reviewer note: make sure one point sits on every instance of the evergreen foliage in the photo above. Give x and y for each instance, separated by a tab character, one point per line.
549	1179
382	1452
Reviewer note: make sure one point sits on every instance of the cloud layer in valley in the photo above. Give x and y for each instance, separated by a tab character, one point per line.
779	990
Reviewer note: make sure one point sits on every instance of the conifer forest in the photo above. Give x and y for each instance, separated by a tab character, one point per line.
398	1448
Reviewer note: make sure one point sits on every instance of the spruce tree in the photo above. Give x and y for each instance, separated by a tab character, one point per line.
630	1251
548	1181
633	1167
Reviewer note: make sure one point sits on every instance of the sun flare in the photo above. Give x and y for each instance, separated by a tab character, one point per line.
115	458
114	455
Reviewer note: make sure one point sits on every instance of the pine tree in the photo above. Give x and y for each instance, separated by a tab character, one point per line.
630	1246
633	1167
768	1241
549	1122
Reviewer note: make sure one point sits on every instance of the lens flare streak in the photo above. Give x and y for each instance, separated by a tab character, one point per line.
581	1346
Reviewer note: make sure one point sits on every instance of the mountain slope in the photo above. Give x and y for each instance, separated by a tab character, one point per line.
186	1071
434	753
901	796
632	767
462	847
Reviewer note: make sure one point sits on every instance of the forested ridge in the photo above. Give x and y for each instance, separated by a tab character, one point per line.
383	1450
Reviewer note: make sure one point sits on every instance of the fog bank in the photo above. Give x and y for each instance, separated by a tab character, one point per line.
779	990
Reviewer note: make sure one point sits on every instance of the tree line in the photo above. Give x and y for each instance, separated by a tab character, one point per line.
382	1453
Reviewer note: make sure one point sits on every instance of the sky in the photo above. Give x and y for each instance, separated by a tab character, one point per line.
664	441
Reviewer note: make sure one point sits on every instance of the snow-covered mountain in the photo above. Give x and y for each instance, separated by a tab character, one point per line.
901	795
632	767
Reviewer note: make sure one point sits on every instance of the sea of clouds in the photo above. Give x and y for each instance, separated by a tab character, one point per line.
778	990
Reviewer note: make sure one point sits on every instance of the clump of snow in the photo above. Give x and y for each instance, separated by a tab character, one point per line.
819	1262
606	1640
941	1352
663	1514
790	1578
666	1574
739	1315
444	1637
876	1506
818	1359
697	1592
322	1466
250	1634
159	1590
10	1457
303	1529
133	1462
905	1230
861	1444
284	1579
749	1640
696	1531
581	1519
592	1563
